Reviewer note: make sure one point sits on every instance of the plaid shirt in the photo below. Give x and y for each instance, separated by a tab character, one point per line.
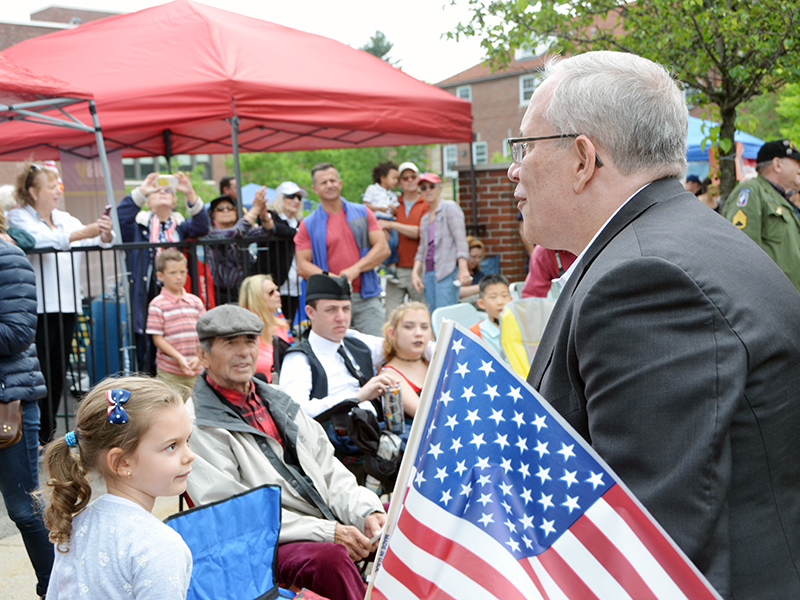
250	408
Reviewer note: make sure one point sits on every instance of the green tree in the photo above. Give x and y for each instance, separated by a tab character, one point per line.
354	165
760	117
728	50
379	46
789	108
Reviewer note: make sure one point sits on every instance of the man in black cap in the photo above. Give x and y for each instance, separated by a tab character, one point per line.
761	208
247	433
329	368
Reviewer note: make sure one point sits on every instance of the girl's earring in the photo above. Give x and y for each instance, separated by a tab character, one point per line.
129	474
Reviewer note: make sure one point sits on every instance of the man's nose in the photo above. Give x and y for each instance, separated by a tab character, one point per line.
513	172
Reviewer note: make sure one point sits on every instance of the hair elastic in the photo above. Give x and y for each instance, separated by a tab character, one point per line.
70	438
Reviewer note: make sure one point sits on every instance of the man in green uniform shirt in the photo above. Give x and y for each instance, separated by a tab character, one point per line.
760	207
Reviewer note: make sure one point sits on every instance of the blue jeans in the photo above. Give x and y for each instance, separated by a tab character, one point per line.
19	476
440	293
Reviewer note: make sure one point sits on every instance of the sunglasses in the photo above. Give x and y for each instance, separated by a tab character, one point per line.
31	171
425	188
293	197
224	208
409	177
273	291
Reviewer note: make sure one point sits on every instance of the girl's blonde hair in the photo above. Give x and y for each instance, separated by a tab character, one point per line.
277	206
389	345
251	297
67	491
32	175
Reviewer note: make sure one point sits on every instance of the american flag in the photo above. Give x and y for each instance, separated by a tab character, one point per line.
505	501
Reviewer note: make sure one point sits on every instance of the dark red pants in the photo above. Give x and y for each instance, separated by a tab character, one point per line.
322	568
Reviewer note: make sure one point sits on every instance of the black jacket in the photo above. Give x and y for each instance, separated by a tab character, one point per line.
20	376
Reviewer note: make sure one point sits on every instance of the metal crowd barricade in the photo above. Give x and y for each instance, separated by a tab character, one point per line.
101	339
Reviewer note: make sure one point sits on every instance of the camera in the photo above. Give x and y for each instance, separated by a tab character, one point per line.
168	181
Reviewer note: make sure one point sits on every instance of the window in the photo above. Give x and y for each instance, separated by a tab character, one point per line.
527	84
136	169
480	153
465	92
450	160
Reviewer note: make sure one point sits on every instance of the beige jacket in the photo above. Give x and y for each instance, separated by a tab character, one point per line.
233	457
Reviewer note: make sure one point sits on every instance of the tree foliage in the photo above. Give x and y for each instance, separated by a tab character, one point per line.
728	50
789	108
379	46
354	165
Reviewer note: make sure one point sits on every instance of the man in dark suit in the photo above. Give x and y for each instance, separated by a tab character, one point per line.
675	344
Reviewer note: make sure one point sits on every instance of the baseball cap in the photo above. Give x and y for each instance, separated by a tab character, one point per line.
777	149
430	178
407	166
290	188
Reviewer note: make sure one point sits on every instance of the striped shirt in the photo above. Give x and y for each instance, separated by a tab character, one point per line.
175	317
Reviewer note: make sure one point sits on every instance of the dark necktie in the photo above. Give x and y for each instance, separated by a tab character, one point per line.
351	368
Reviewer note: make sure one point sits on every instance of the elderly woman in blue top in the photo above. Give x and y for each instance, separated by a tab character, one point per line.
442	254
160	223
57	290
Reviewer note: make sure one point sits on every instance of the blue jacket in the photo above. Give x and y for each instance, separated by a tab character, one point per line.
20	376
356	215
141	262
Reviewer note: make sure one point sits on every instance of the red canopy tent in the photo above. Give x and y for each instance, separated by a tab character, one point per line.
184	78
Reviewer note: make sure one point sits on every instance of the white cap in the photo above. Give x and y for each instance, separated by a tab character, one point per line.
407	166
289	188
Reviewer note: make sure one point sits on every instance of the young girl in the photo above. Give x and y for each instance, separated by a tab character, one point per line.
406	335
134	432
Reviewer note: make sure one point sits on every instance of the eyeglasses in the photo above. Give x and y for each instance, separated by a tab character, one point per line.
520	145
409	177
425	188
273	291
224	208
292	197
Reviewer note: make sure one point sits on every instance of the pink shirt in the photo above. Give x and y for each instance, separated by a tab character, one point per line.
175	317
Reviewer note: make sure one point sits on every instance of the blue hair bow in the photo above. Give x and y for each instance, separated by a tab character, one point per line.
116	398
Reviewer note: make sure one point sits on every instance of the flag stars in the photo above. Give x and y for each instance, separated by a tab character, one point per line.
566	451
460	468
436	450
519	419
505	505
524	470
543	474
547	527
486	367
446	497
472	416
506	488
522	444
468	393
419	479
445	398
483	463
511	527
485	499
505	464
491	391
528	542
527	522
546	501
455	444
486	519
497	416
526	495
451	422
514	545
462	370
478	440
483	480
569	478
595	479
466	490
539	423
457	346
571	503
502	441
441	474
514	394
541	448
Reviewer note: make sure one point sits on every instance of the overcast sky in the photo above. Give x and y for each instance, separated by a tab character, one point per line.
414	27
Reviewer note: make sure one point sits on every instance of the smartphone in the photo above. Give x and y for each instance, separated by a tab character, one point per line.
169	181
107	210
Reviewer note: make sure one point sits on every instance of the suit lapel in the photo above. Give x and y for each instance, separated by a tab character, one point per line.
626	215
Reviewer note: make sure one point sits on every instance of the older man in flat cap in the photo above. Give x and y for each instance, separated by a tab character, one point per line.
248	433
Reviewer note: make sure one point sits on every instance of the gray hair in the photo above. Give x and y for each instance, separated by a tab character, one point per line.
629	106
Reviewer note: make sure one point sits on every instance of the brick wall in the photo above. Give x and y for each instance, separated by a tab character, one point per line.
497	215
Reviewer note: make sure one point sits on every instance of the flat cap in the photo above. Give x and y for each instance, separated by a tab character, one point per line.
325	287
777	149
228	321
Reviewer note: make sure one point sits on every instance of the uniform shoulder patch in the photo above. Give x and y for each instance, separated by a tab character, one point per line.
740	219
743	195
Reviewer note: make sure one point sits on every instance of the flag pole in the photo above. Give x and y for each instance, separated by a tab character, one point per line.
412	445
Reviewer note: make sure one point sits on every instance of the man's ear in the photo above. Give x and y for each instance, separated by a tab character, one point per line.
585	165
311	312
117	463
202	356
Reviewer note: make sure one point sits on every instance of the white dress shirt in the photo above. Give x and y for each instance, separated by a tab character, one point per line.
295	375
64	264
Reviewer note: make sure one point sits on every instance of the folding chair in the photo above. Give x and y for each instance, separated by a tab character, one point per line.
234	545
463	313
522	323
516	290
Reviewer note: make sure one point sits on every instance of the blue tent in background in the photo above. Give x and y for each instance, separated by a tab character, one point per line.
698	130
249	194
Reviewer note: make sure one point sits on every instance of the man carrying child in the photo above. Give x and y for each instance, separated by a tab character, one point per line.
172	321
